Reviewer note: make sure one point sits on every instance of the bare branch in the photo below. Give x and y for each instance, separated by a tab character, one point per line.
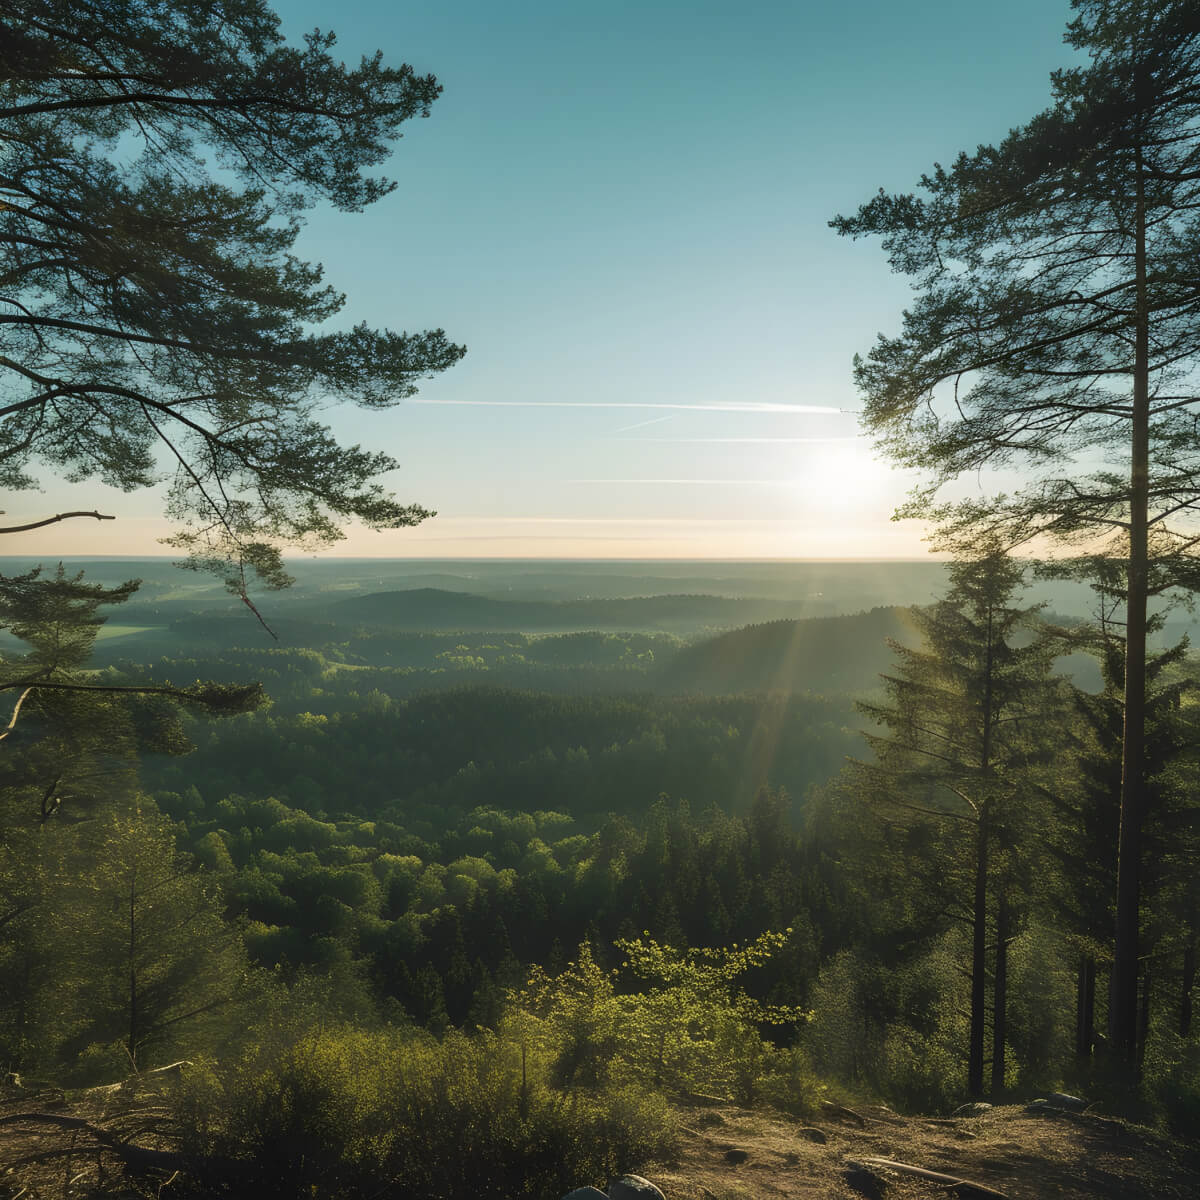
99	516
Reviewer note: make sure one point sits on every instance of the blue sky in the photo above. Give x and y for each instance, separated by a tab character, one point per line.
621	209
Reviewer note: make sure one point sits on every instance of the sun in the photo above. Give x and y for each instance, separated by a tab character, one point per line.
844	477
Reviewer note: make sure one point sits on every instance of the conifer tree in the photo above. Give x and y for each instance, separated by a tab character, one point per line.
1055	329
158	159
67	737
106	937
1082	838
159	957
964	719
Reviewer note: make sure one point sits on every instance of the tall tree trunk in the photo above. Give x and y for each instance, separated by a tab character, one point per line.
1000	994
132	1043
1144	1016
1085	1009
979	911
1123	1014
1186	984
978	960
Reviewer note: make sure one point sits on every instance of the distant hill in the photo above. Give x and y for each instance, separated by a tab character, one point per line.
822	654
435	609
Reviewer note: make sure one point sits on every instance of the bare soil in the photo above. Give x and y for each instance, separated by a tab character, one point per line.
725	1153
1023	1156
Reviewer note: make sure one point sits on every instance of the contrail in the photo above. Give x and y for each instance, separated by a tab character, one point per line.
748	406
805	441
706	482
642	425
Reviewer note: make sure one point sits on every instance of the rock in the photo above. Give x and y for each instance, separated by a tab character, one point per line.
735	1156
812	1135
586	1193
1056	1102
975	1109
864	1182
633	1187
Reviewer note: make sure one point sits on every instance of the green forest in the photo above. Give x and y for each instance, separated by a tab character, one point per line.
873	855
437	879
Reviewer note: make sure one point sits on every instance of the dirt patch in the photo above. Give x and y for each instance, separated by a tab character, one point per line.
1005	1149
725	1153
52	1149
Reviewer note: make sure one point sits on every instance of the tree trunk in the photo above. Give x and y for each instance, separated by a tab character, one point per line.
1144	1017
978	960
1185	991
1123	1015
131	1047
1000	995
1085	1010
979	913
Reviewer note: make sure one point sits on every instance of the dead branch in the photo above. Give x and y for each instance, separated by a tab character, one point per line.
963	1188
99	516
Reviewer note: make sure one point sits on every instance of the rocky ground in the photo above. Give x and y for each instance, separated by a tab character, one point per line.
731	1154
55	1148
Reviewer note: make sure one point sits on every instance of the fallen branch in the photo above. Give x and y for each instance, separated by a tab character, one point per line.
1087	1119
137	1158
142	1078
964	1188
846	1114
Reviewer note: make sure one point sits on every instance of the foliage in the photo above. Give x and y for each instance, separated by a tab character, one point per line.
160	962
893	1030
1054	329
346	1112
153	302
689	1027
113	951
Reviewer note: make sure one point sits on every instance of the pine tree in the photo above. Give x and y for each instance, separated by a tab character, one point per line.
965	718
88	886
1055	328
72	738
158	158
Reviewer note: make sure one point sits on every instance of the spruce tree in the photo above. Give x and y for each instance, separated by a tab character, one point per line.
965	718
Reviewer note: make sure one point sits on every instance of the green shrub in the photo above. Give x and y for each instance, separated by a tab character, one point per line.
897	1032
687	1028
350	1113
1172	1085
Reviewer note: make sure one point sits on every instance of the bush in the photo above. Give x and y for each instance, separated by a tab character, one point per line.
893	1032
687	1028
350	1113
1172	1085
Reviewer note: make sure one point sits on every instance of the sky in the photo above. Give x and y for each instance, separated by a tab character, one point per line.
622	209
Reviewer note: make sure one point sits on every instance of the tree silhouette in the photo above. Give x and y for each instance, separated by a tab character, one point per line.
1055	329
151	303
965	717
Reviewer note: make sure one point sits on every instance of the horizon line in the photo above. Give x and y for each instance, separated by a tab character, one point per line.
501	558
